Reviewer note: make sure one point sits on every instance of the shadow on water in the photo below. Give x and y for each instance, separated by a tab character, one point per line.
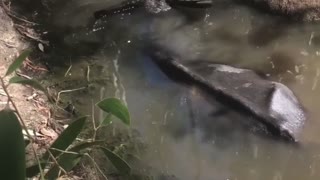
176	121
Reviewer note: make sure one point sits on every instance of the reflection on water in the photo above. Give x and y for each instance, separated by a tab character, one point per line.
176	121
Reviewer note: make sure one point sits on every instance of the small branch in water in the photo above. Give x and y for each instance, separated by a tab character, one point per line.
88	73
68	91
93	122
67	72
311	38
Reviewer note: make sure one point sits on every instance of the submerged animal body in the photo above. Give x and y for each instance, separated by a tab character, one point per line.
264	106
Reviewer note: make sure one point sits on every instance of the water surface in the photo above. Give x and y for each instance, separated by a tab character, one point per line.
175	120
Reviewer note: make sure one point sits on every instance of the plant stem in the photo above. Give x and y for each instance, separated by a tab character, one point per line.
56	162
15	108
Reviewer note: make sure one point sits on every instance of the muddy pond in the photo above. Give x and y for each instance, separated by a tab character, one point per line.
284	51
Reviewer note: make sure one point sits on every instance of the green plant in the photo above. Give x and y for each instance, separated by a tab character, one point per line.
64	154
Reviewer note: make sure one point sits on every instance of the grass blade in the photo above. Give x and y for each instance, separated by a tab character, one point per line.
17	62
65	139
121	165
68	136
30	82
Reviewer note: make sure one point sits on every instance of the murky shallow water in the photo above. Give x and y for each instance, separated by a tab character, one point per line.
160	109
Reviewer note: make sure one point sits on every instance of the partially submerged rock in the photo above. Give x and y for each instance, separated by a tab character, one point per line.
263	106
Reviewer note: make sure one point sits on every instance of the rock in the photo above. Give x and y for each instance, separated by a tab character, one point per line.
306	10
262	106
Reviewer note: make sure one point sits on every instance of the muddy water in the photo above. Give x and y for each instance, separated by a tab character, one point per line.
171	117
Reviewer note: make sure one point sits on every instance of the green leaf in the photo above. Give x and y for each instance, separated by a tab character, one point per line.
106	121
115	107
62	142
67	162
33	83
66	138
17	62
33	170
12	151
121	165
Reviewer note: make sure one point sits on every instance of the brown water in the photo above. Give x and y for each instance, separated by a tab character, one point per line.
228	34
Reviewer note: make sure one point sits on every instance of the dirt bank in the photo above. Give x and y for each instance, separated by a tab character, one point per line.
32	104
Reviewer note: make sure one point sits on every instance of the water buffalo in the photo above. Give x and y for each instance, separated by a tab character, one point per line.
258	105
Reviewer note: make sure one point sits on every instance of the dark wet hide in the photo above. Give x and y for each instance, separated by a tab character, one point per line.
228	100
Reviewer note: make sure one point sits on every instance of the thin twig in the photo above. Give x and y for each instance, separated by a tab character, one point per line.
15	108
9	12
66	152
68	91
93	121
67	72
2	93
88	73
22	30
8	44
23	75
311	38
56	163
96	165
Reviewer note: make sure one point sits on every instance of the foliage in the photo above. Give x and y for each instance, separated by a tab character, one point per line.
117	161
115	107
64	154
12	153
18	61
